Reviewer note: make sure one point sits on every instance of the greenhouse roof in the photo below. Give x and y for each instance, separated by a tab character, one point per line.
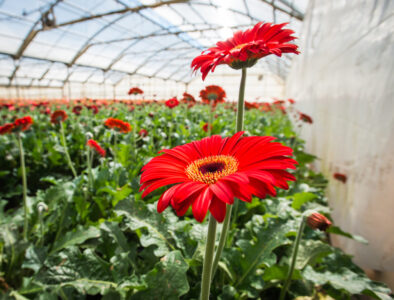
52	42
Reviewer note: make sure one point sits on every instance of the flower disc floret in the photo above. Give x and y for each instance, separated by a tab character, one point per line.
210	169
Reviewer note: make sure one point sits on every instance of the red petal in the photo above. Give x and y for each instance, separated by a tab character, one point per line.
218	209
201	204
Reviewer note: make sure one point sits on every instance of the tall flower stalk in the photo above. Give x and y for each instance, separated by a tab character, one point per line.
58	117
24	185
19	125
64	144
208	258
238	127
242	51
293	259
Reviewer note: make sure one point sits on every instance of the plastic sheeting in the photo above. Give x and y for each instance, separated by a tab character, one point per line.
344	80
125	37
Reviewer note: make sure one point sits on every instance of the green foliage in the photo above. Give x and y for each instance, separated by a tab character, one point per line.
104	241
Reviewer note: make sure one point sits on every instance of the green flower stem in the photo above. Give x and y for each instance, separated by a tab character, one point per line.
116	177
293	259
133	132
60	228
210	117
169	135
209	251
239	126
24	184
89	163
64	144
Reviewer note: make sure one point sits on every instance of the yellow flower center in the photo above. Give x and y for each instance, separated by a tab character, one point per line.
239	46
210	169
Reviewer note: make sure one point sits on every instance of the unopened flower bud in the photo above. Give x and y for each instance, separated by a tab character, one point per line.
89	135
318	221
41	207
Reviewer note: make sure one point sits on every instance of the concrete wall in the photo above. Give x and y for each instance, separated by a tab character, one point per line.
344	79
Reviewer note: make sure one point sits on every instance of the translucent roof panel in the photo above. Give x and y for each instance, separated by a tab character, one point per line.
52	42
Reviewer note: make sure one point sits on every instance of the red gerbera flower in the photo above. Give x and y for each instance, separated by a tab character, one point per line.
251	105
121	126
143	133
291	101
171	103
209	173
306	118
58	116
135	91
93	108
279	102
23	124
318	221
265	106
205	127
212	93
77	109
6	128
187	98
94	145
245	48
340	177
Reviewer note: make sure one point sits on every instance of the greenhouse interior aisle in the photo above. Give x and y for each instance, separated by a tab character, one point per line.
196	149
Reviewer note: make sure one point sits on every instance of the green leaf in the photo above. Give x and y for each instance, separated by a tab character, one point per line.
345	279
259	250
311	250
35	258
156	228
279	273
75	238
118	194
300	198
339	231
167	280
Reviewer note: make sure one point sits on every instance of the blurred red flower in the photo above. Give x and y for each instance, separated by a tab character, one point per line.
305	118
93	108
318	221
340	177
209	173
143	132
77	109
135	91
187	98
171	103
245	48
251	105
117	124
291	101
58	116
23	124
205	127
94	145
6	128
213	93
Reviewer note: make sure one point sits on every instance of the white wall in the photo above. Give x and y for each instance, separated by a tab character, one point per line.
344	79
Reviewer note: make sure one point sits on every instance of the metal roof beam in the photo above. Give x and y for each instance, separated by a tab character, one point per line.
33	32
121	11
293	13
86	66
